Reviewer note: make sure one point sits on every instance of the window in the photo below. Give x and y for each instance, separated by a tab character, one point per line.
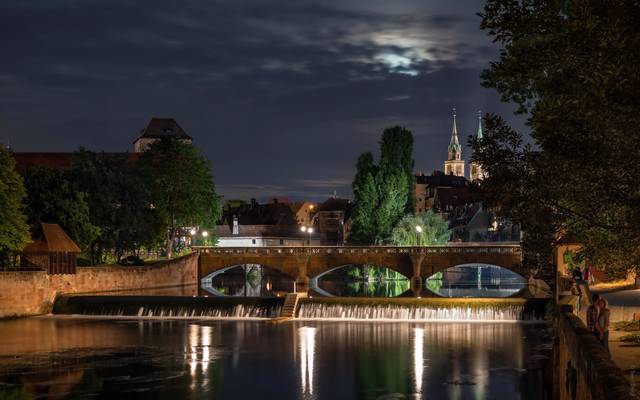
253	241
281	242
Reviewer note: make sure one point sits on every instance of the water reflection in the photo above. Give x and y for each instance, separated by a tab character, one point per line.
248	280
307	338
248	360
476	280
418	358
199	355
362	281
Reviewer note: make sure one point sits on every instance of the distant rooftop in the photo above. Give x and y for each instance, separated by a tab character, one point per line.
158	128
439	179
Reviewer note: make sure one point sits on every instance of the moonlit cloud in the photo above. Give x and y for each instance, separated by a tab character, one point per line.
281	96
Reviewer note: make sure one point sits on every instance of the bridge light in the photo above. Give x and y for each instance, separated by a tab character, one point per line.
418	229
205	233
303	228
310	230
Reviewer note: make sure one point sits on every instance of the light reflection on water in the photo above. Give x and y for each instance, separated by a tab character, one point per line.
307	360
307	337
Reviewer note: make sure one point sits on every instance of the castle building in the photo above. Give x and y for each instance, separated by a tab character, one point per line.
156	129
476	172
454	165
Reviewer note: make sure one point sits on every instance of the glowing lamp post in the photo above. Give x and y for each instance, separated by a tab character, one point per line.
419	230
308	230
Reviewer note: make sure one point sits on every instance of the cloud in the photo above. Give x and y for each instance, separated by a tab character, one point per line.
282	96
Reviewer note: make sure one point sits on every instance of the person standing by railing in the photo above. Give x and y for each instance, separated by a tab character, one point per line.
603	322
592	315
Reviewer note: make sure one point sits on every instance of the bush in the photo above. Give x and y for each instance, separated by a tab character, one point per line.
627	326
83	262
633	338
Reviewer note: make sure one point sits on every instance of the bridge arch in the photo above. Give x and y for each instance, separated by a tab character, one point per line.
476	280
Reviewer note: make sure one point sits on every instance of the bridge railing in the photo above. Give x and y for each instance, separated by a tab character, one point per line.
462	248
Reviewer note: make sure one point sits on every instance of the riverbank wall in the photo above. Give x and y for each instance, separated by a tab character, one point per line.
583	369
24	293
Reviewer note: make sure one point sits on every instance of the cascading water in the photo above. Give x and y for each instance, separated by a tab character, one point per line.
168	307
421	312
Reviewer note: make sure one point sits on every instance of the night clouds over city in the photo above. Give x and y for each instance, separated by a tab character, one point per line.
281	96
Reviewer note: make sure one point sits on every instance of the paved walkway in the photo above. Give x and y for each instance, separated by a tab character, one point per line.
623	305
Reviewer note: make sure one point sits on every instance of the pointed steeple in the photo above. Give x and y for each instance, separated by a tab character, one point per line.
479	134
455	150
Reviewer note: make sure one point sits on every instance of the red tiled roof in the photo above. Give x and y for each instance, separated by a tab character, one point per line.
260	231
452	197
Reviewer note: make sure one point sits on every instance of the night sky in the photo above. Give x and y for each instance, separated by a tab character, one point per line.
281	96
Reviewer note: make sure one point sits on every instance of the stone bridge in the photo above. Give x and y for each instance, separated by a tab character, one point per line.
303	263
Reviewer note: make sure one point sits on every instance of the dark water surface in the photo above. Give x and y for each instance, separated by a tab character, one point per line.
77	358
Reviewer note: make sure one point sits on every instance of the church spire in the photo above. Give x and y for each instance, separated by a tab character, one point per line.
454	165
455	150
479	134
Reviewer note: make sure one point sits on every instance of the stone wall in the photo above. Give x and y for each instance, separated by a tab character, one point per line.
583	369
32	293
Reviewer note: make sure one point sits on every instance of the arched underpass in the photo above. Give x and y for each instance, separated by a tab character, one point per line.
248	280
360	281
476	280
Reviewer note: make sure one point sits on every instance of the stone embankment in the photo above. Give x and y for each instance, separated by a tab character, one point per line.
583	369
31	293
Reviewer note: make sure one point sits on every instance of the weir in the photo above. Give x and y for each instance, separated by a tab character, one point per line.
436	310
168	307
398	309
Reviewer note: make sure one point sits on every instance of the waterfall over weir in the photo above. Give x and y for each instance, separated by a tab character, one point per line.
168	306
423	311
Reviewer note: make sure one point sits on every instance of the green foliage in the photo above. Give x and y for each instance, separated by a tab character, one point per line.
119	203
633	338
627	326
51	199
435	230
572	68
384	192
14	231
181	187
434	283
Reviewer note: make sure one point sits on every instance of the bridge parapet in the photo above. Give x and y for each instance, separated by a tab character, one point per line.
457	248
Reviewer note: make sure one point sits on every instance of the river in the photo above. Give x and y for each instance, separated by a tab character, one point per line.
59	357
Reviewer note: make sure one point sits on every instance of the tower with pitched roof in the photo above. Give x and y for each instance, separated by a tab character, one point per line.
454	165
476	172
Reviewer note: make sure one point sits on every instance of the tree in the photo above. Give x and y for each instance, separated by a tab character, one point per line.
365	191
181	187
433	229
118	201
14	231
396	154
571	66
383	192
51	199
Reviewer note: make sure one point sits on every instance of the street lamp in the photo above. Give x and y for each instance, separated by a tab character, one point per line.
192	232
419	230
308	230
205	234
